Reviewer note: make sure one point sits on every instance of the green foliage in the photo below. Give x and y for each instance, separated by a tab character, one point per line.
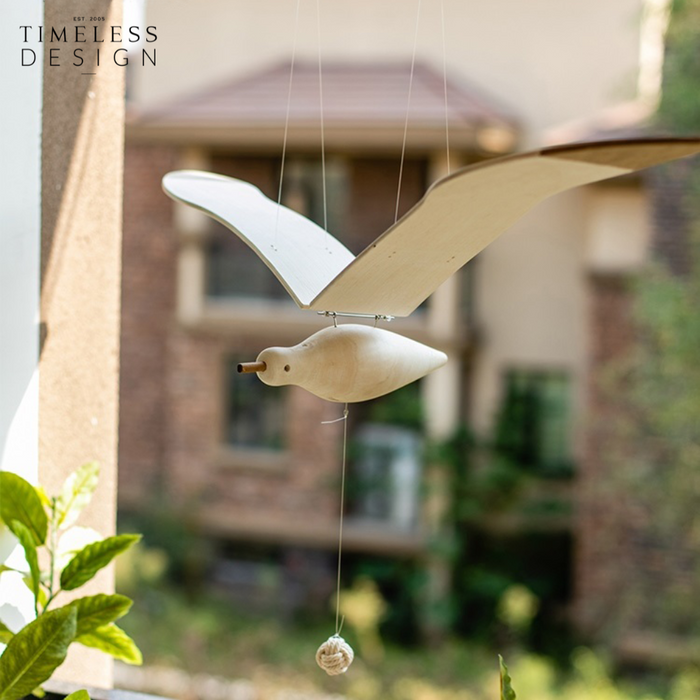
403	407
532	429
175	547
507	692
517	608
679	110
88	561
20	502
27	541
218	637
99	610
33	653
76	494
113	641
486	487
78	695
653	452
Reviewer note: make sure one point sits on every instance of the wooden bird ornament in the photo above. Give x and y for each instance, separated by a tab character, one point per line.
348	363
456	219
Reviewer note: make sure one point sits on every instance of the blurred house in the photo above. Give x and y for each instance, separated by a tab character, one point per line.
521	322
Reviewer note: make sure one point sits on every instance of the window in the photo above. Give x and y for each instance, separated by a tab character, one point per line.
386	475
255	417
533	426
303	191
386	467
234	270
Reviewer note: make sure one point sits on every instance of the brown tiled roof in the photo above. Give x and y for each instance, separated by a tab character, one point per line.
356	96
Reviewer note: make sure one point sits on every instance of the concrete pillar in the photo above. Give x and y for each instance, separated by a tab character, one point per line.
192	226
442	389
82	172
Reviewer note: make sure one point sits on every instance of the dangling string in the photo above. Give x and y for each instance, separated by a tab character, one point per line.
335	655
286	120
323	133
408	109
444	78
343	418
340	528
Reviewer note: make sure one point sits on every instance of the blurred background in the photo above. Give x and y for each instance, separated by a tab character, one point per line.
536	497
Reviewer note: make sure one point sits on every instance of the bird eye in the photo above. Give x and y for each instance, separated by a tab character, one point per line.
287	368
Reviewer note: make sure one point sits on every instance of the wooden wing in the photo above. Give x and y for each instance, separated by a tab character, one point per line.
461	214
303	257
456	219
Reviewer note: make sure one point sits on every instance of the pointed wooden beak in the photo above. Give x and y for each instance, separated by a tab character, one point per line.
251	367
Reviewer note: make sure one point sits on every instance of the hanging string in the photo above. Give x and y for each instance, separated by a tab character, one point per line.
342	509
444	77
323	133
335	655
286	119
408	109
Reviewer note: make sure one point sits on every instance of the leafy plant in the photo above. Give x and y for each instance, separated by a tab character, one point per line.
507	692
74	555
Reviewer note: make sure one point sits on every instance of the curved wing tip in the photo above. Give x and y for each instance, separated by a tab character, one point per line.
203	174
184	175
175	175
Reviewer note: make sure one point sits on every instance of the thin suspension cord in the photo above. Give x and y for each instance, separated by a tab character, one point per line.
286	120
408	109
444	76
323	133
340	529
338	622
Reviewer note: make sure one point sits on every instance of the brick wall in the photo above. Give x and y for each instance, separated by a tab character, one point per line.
635	574
173	393
669	189
148	301
602	554
300	486
373	186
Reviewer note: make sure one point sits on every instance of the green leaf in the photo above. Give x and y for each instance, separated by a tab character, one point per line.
39	692
27	541
5	633
72	541
78	695
45	500
507	692
89	560
76	494
99	610
113	641
20	501
35	652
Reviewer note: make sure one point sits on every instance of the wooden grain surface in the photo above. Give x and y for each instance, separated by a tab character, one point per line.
457	218
350	363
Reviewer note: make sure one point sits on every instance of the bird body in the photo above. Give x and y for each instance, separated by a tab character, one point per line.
350	363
